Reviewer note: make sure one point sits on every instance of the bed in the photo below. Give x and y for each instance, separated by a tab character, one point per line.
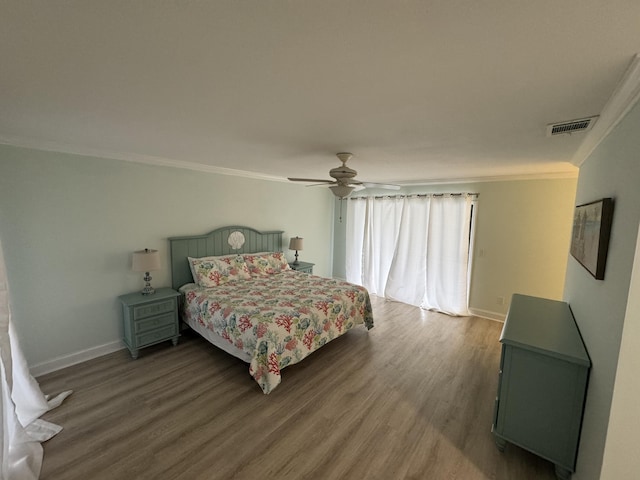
240	294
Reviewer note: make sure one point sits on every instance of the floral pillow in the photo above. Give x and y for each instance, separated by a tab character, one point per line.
266	263
213	271
193	261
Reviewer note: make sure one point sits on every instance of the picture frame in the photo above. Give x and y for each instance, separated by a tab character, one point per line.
590	236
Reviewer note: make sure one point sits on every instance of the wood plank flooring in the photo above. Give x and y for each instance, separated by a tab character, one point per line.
410	399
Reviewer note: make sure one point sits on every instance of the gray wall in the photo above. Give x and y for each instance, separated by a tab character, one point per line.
621	459
612	170
523	229
69	223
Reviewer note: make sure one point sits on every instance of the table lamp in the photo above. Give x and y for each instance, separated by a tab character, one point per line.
146	261
295	244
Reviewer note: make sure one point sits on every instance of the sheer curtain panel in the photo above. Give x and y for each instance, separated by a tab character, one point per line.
22	401
414	249
372	232
354	227
408	273
381	226
447	254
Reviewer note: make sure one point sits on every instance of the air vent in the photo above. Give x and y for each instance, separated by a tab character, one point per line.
571	126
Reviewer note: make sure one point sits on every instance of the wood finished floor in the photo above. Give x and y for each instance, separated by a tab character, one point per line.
411	399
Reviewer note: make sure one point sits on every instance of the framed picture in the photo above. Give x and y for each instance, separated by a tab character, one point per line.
590	237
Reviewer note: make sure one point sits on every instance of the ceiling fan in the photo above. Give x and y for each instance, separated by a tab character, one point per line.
344	179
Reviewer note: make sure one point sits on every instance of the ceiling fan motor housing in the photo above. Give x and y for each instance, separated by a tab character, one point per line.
343	172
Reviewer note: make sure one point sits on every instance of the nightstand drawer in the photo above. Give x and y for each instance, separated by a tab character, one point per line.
156	335
144	311
153	323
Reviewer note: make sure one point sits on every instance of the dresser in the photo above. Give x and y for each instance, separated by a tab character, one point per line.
302	267
149	319
542	382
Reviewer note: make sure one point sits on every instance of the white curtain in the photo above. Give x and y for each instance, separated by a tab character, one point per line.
21	401
372	231
354	227
448	250
425	260
381	226
408	273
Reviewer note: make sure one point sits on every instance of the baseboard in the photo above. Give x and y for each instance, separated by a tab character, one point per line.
75	358
498	317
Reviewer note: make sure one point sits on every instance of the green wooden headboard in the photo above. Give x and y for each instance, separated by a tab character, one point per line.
217	243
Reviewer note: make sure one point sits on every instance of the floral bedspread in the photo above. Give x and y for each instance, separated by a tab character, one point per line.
278	319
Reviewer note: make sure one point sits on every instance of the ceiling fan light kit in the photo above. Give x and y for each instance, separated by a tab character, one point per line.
342	191
344	182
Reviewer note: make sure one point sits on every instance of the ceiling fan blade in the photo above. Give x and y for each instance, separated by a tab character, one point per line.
322	184
345	181
315	180
385	186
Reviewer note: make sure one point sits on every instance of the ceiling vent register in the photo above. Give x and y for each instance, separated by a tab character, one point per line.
571	126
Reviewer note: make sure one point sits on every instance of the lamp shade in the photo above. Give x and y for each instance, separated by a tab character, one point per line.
146	260
295	243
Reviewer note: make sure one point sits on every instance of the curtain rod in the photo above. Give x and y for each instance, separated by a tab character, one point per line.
417	195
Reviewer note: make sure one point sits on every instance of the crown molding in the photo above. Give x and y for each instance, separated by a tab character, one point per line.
494	178
132	157
167	162
623	98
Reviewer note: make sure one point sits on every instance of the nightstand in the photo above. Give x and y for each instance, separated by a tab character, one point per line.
302	267
150	319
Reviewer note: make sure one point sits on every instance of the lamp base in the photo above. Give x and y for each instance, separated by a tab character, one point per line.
295	262
147	290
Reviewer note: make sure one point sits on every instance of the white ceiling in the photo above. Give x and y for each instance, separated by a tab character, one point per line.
418	90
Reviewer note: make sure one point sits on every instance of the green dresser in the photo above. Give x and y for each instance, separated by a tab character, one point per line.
150	319
542	382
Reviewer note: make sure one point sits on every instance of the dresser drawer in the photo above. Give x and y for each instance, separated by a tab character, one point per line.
149	310
154	323
159	335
